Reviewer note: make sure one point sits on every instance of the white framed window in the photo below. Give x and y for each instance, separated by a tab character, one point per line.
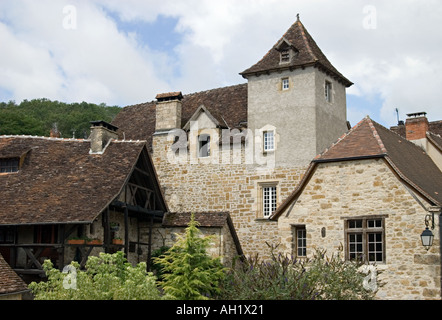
328	91
269	200
285	84
269	140
204	146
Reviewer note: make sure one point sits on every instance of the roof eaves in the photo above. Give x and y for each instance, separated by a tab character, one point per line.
411	183
307	175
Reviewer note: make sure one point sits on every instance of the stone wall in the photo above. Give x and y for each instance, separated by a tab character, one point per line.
341	190
217	187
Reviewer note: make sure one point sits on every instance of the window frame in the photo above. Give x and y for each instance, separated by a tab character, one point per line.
285	84
299	233
9	165
204	146
365	231
328	91
285	56
268	145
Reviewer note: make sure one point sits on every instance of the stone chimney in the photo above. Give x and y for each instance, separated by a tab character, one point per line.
168	111
416	126
101	134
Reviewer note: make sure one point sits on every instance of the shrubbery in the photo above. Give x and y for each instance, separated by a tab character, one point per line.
187	272
287	278
107	277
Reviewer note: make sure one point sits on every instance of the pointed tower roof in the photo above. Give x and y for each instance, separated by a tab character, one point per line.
305	53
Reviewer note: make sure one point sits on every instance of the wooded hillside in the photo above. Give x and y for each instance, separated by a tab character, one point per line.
38	116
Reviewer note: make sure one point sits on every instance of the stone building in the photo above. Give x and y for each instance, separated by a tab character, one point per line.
67	199
242	149
247	149
370	195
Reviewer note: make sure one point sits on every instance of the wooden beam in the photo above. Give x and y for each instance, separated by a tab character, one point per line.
126	231
107	230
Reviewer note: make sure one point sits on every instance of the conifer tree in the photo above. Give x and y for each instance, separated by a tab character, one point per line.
190	273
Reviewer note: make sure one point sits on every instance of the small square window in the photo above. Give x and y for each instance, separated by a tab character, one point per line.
269	141
285	84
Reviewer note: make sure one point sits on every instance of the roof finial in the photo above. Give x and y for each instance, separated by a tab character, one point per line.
297	17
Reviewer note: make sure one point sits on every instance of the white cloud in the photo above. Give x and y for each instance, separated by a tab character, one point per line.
398	60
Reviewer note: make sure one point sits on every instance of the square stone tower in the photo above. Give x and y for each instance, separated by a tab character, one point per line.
297	92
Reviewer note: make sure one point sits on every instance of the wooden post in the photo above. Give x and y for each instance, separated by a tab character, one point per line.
126	231
149	247
107	232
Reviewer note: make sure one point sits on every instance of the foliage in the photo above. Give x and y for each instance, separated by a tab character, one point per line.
107	277
157	267
287	278
37	117
189	272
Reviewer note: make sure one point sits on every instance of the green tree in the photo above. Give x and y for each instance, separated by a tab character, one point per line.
37	117
189	272
107	277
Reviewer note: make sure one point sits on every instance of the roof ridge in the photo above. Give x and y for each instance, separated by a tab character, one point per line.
376	135
42	138
306	42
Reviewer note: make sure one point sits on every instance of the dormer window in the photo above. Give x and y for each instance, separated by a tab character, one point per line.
285	56
286	51
204	146
9	165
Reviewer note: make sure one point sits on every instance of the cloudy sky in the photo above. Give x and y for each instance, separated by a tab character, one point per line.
125	52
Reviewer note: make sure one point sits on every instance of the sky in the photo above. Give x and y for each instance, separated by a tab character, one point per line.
126	52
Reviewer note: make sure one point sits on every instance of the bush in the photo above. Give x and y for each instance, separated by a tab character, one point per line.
107	277
189	273
286	278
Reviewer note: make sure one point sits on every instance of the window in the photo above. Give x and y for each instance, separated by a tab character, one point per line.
269	200
328	91
204	146
299	241
269	141
6	235
9	165
365	239
285	84
285	56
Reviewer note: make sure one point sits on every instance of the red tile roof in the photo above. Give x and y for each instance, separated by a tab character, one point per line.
369	139
309	54
59	181
10	282
228	105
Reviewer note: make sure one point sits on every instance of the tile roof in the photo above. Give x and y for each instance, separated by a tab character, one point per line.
368	139
434	127
207	219
10	282
435	139
59	181
228	105
309	54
